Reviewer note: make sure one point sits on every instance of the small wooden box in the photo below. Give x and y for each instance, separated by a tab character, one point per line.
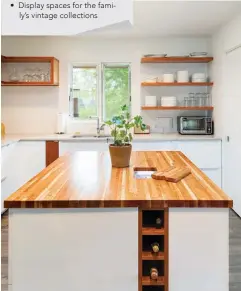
139	131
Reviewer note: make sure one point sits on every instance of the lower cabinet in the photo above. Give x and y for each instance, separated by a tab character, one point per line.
206	155
153	146
24	160
215	175
74	249
70	147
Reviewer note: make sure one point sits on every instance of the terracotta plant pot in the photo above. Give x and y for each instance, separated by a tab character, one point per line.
120	155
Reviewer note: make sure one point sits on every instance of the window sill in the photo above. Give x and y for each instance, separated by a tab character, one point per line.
81	121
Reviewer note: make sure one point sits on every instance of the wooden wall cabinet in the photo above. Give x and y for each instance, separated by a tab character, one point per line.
52	152
30	71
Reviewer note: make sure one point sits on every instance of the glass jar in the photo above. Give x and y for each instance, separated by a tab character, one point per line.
14	76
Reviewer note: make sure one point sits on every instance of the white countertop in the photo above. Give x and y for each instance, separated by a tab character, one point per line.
9	139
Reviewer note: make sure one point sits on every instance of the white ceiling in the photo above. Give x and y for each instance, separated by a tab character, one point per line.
158	18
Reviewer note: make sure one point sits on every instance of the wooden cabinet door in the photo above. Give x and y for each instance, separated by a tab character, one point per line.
52	151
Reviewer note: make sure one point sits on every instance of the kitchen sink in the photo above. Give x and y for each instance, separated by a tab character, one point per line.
101	136
90	136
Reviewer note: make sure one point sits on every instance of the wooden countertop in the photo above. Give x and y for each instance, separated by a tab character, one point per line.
86	179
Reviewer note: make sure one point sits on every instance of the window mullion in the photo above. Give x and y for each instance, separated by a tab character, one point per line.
103	90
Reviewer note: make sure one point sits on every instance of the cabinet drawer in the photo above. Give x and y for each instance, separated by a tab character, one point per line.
153	146
70	147
204	154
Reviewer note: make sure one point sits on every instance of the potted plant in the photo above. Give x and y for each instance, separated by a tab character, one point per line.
120	126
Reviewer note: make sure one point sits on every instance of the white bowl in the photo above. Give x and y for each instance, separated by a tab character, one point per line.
199	80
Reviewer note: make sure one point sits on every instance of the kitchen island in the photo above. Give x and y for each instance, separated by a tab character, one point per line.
82	225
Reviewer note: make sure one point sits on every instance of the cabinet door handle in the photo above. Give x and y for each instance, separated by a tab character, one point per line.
3	178
227	138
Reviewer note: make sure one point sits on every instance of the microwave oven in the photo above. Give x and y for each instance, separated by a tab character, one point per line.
195	125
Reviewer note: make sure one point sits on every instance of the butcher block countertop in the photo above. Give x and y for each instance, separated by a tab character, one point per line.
87	180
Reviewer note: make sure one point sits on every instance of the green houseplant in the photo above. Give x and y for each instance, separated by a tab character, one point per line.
120	126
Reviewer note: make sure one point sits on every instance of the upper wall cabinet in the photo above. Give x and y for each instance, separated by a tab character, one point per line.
30	71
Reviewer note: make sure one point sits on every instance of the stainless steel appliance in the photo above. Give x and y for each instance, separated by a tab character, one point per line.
195	125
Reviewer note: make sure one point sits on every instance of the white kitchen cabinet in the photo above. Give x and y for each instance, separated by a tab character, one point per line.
153	146
74	249
70	147
215	175
204	154
23	160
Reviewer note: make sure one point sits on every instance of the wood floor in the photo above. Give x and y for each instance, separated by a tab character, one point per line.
234	252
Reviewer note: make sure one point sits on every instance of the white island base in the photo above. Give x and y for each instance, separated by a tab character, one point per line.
97	249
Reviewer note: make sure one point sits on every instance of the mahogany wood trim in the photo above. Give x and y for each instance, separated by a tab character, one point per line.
17	59
149	256
152	231
9	84
146	281
176	59
166	247
52	71
177	107
144	84
140	249
52	151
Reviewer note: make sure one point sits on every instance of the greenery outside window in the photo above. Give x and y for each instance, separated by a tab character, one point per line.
99	90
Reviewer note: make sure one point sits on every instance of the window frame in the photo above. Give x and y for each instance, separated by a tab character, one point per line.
100	96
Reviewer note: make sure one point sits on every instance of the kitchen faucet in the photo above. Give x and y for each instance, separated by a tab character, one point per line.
98	128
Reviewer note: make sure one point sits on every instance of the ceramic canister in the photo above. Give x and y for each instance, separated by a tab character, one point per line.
182	77
168	78
150	101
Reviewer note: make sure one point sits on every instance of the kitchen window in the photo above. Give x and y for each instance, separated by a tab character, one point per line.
99	90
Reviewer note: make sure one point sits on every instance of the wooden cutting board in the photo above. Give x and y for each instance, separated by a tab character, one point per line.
174	174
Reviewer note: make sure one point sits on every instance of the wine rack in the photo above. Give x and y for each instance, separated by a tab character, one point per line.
153	250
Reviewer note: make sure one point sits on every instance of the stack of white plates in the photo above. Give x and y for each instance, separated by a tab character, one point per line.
168	101
199	77
150	101
151	80
198	54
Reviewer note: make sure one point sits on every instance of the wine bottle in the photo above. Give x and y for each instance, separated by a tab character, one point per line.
155	247
154	274
158	222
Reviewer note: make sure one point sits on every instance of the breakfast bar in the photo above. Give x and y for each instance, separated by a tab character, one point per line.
81	224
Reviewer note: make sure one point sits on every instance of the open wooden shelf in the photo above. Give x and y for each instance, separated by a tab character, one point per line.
149	256
146	281
28	84
188	84
152	231
51	62
177	107
176	59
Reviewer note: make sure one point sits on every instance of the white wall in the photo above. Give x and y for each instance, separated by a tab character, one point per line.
227	95
226	38
33	109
